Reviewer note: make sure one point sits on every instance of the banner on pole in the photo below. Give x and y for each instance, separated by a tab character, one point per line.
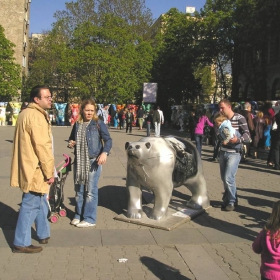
150	93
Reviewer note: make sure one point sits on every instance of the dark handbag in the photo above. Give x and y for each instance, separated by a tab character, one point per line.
100	137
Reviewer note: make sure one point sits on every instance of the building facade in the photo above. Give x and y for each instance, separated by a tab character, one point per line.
14	17
259	77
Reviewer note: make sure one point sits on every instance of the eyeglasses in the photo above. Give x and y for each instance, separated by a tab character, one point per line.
46	97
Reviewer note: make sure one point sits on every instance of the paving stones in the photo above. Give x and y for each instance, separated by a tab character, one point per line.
224	239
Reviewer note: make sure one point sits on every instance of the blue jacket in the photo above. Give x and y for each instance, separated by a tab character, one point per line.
226	132
94	135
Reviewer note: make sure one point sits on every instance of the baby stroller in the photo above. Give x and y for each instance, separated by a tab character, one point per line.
56	194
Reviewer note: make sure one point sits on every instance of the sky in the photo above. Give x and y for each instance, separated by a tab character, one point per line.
42	11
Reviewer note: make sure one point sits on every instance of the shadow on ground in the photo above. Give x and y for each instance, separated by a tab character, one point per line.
8	221
161	270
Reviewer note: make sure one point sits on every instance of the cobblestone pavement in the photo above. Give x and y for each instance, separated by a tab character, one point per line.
215	245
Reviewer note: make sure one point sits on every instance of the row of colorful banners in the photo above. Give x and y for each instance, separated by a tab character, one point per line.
9	112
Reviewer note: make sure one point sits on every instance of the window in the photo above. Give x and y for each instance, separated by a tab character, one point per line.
23	61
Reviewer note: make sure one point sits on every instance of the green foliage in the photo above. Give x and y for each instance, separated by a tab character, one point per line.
10	81
101	55
176	60
233	31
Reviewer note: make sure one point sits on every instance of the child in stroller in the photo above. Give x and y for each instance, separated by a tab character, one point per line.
56	194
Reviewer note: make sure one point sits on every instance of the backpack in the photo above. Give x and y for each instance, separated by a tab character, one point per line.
100	116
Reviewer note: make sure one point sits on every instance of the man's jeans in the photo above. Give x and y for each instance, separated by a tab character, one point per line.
34	207
86	202
157	129
228	168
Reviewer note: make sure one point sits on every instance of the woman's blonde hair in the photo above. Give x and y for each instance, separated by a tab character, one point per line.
220	117
82	107
260	114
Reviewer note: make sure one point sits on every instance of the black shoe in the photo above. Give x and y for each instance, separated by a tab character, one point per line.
44	241
218	205
29	249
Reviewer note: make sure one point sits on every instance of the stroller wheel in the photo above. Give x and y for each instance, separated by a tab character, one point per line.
54	218
62	213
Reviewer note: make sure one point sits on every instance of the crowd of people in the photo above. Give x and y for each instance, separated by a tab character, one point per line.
264	132
129	117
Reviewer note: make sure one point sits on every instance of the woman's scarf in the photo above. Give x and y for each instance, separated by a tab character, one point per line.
82	157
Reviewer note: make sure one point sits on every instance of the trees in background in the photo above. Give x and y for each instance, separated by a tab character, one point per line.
176	59
235	36
105	49
10	80
96	49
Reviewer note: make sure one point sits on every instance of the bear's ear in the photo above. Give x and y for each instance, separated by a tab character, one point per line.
126	145
148	145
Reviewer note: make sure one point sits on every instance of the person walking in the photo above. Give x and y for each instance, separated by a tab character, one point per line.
268	116
161	119
156	121
200	120
32	169
129	120
140	117
121	117
267	244
149	121
230	157
259	124
246	112
87	136
275	141
105	113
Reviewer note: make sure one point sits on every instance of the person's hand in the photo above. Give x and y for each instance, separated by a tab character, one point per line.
102	159
71	144
233	140
50	181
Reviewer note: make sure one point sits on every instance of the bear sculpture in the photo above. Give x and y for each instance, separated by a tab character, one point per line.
159	165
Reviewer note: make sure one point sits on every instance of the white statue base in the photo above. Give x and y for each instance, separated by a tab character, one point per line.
177	214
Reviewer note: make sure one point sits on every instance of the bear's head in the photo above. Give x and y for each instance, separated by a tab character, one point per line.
137	151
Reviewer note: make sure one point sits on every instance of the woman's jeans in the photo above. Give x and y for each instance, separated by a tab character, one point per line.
198	142
34	208
87	201
228	168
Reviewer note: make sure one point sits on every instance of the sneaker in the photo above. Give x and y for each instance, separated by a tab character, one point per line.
229	207
74	222
84	224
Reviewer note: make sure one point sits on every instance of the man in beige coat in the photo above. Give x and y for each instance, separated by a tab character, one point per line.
33	170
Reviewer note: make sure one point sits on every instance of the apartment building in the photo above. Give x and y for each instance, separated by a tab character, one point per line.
14	17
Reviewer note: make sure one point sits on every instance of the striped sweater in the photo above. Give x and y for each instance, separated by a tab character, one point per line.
239	123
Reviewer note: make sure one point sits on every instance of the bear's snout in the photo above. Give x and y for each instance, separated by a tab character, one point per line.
133	153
